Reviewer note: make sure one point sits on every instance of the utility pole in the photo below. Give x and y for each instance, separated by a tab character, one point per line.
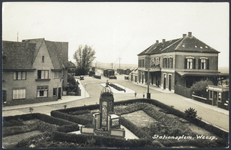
119	61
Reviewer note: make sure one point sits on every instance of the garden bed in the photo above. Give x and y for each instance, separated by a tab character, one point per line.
150	120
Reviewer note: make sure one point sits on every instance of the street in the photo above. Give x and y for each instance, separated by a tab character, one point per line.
211	114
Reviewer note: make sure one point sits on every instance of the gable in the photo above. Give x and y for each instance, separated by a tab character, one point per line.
43	54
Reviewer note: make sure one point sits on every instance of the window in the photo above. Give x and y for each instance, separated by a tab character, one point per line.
42	59
219	96
42	91
19	93
189	63
56	74
203	63
164	62
54	91
19	75
143	63
43	74
170	62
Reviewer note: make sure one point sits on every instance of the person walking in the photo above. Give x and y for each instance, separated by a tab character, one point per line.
135	93
143	95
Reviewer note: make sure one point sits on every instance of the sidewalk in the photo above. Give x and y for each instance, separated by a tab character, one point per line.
215	108
65	99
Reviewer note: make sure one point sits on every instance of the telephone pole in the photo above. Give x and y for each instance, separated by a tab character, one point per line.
119	61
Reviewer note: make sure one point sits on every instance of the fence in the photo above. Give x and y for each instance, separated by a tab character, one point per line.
186	92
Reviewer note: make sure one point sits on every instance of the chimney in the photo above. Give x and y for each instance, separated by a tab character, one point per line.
184	35
163	41
190	34
157	41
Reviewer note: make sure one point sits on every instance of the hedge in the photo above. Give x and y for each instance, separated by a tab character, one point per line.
13	122
18	117
7	131
68	128
73	109
53	120
168	109
104	141
134	129
200	143
71	118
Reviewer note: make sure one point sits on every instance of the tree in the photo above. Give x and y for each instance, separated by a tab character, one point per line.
199	88
84	57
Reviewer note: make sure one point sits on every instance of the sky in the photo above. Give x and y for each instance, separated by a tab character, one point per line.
119	29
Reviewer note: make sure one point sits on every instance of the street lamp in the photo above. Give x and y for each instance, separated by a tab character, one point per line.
85	90
148	94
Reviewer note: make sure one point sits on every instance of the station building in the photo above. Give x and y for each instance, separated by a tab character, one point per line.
177	64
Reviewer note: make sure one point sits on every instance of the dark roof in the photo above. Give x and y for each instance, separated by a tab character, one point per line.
185	44
71	65
17	55
26	51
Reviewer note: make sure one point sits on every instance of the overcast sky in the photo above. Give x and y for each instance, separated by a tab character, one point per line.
118	29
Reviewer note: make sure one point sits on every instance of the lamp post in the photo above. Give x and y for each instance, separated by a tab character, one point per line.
148	94
85	90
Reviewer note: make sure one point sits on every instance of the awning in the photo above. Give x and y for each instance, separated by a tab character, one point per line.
217	88
206	74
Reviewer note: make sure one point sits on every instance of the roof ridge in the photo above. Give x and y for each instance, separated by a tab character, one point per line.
180	42
50	54
171	44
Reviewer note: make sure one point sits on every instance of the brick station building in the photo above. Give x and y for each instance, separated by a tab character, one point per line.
178	63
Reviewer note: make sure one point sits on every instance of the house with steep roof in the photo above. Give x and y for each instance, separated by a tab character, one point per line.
34	70
178	63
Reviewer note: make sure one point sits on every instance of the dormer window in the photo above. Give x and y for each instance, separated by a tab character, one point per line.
201	47
195	46
42	59
206	46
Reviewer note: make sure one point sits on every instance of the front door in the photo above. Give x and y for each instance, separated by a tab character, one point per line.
59	93
215	98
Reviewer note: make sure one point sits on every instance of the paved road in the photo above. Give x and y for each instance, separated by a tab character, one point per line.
211	114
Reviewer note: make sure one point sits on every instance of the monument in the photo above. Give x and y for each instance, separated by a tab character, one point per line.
105	122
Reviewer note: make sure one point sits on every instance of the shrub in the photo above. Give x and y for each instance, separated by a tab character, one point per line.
200	86
191	114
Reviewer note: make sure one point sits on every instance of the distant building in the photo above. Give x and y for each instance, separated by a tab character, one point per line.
176	64
34	70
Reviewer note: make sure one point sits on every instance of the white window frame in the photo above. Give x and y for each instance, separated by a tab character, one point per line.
189	63
19	93
42	90
19	75
44	74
